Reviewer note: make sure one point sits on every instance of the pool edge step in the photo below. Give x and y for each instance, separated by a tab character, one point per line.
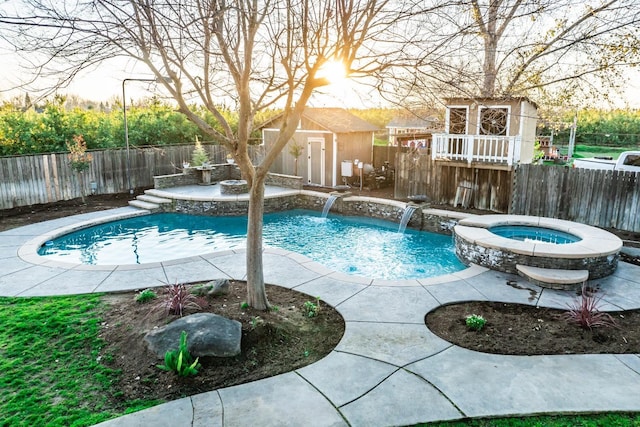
140	204
553	278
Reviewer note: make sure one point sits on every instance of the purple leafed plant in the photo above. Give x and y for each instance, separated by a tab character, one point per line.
585	311
176	299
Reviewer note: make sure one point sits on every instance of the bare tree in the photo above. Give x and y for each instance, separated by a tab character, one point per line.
258	54
529	47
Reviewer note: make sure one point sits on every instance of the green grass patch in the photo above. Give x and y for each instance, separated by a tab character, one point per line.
596	420
583	151
50	356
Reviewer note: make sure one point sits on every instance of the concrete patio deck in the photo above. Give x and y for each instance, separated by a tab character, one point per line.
388	369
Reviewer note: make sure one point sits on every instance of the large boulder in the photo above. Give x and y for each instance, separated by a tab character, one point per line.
207	335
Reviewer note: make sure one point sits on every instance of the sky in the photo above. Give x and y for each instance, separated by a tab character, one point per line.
104	84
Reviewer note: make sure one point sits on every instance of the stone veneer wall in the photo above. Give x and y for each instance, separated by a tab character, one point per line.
505	260
286	181
232	208
176	180
221	172
434	221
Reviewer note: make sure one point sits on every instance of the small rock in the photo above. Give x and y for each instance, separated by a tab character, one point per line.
212	288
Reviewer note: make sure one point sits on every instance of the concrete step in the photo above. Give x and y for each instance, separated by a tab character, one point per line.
553	278
153	199
140	204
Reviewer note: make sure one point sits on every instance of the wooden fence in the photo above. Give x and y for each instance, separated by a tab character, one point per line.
442	182
599	198
609	199
47	178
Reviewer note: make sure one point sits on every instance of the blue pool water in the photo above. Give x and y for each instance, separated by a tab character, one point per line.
354	245
536	234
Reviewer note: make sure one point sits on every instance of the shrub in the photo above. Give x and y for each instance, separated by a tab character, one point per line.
79	159
180	361
199	155
176	299
475	322
145	296
310	308
585	311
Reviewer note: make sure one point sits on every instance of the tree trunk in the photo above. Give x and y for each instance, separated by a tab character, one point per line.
81	183
489	71
256	293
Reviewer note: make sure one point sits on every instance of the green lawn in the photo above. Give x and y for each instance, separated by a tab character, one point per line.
582	151
52	371
50	357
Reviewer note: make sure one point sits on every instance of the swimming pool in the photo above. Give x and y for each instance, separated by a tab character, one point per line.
353	245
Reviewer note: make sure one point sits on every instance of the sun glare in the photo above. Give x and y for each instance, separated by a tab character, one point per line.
334	71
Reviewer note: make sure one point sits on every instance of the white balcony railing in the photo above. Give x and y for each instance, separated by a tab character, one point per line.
476	148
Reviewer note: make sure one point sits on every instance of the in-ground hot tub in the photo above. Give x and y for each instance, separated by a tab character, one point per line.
579	246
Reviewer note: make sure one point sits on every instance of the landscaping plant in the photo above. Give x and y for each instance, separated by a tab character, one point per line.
311	309
475	322
199	156
180	361
585	311
145	296
176	299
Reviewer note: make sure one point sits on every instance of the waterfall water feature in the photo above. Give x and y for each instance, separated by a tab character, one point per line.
327	206
406	216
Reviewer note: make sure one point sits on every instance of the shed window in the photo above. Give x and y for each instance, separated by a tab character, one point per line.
493	121
458	121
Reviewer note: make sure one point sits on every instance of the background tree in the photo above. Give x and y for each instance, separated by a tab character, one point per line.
258	54
543	49
79	160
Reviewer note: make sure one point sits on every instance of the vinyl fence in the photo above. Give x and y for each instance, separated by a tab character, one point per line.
47	178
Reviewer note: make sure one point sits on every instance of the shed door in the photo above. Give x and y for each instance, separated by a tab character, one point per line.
315	165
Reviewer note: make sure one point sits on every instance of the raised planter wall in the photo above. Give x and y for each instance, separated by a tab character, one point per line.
176	180
221	172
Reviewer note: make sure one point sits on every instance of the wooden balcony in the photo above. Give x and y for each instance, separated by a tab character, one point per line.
503	150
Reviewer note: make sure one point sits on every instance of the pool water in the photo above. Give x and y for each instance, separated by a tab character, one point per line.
353	245
534	234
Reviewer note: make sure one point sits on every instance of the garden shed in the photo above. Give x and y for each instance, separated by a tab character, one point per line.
326	137
497	131
472	163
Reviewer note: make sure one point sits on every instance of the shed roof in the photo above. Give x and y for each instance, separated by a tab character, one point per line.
483	100
338	120
413	122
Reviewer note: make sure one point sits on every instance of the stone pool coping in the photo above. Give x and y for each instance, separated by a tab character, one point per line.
595	242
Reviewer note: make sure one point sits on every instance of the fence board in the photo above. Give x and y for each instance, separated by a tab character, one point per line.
47	178
599	198
594	197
